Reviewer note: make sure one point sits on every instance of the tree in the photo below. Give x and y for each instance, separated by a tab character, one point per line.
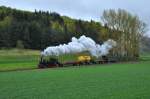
5	32
130	27
35	35
19	44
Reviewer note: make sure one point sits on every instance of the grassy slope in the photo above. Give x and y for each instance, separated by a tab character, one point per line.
18	59
118	81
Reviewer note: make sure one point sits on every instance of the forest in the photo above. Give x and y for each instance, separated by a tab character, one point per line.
39	29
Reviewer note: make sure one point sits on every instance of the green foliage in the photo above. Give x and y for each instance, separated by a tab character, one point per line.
20	44
57	26
40	29
117	81
5	25
5	22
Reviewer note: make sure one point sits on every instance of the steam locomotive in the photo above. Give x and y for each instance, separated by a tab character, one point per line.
53	62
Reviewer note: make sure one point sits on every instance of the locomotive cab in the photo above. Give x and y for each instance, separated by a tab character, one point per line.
49	63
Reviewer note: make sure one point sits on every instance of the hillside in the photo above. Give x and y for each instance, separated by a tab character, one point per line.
40	29
36	30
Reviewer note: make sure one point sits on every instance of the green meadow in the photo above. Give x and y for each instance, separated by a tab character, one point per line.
108	81
15	59
115	81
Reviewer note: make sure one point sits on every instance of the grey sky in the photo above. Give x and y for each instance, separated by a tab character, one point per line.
83	9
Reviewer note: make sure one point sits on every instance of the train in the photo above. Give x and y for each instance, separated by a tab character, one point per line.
53	62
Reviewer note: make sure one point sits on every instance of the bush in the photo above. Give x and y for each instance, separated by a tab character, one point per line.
20	44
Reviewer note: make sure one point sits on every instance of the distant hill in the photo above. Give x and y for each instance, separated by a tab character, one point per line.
40	29
36	30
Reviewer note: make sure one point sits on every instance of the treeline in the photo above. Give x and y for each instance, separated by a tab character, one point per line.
39	29
145	45
128	30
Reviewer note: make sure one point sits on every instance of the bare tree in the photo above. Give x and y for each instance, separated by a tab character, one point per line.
130	27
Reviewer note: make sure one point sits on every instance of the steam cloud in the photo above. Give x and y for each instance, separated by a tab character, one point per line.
81	45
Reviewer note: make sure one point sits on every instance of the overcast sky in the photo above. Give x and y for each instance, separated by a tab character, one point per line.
83	9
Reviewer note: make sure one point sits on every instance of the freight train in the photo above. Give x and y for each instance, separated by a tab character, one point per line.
52	62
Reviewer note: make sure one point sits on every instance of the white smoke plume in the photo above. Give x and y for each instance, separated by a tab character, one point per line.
80	45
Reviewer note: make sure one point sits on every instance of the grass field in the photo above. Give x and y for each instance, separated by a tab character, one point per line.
115	81
108	81
18	59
